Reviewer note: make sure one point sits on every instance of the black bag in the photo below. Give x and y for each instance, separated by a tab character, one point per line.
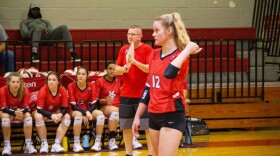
197	126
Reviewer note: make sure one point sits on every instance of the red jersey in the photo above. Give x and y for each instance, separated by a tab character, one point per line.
164	91
8	100
81	98
134	81
105	87
52	103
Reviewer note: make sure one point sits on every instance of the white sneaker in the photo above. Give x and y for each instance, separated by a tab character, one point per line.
112	144
29	149
7	150
57	148
78	148
44	147
96	146
136	144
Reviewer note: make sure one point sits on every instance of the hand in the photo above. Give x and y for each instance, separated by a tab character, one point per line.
19	118
131	60
187	109
59	117
85	120
109	100
18	112
193	48
135	125
46	31
89	115
55	118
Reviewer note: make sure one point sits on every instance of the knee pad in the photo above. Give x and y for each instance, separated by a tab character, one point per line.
27	121
66	122
6	122
114	116
78	120
39	123
100	120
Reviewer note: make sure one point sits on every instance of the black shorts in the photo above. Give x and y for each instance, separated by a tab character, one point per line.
127	110
175	120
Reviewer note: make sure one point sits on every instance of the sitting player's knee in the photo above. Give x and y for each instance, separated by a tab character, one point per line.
114	116
78	120
100	120
40	123
27	121
6	122
66	122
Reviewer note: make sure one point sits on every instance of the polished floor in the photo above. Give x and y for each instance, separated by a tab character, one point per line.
258	142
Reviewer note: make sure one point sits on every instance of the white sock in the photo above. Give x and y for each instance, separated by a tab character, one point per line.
76	139
27	141
98	138
57	141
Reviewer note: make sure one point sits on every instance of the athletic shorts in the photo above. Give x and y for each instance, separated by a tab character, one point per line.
127	109
175	120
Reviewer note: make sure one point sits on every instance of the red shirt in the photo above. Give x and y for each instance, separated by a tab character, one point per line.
8	100
81	98
134	81
52	103
164	91
104	87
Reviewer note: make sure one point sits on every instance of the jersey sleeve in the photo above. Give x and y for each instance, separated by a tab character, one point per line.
3	99
41	98
64	96
26	98
71	95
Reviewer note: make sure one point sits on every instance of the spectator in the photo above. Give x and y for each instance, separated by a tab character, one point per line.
164	91
52	105
14	98
83	101
6	56
134	70
108	93
35	28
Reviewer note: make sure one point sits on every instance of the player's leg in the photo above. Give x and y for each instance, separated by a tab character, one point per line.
6	131
77	127
60	133
127	113
112	113
100	120
173	126
41	130
27	129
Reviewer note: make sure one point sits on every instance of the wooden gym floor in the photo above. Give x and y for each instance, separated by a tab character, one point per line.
237	142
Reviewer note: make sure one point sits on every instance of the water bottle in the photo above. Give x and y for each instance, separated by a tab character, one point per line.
85	142
65	143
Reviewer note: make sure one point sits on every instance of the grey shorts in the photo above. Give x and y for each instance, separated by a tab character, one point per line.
127	109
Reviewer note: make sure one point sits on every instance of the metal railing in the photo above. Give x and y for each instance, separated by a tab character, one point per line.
108	48
226	69
266	19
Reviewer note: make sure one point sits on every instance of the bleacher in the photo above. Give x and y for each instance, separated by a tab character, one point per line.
227	80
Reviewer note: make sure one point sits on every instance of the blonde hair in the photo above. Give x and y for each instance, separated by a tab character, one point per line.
21	90
174	21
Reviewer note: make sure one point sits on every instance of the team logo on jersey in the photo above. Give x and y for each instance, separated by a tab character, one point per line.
80	102
50	107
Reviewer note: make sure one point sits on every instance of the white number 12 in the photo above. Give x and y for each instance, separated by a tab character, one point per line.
156	81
